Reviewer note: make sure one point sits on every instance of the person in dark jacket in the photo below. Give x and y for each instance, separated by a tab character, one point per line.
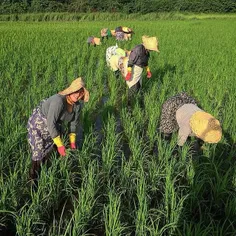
138	60
44	125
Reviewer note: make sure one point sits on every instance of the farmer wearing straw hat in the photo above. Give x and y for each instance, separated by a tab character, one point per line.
138	60
115	58
119	64
44	125
105	32
113	50
182	113
93	41
123	33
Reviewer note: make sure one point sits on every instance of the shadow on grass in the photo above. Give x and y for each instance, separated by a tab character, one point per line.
211	204
159	75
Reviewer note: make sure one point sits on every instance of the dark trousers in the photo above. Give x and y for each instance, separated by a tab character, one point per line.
104	37
133	91
35	169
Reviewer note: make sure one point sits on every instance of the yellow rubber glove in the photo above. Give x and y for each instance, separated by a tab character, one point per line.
129	69
72	137
129	74
147	68
149	74
60	147
58	141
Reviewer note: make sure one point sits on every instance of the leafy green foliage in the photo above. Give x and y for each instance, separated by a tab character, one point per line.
138	6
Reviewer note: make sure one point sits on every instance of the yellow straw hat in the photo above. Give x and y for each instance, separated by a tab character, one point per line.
97	41
206	127
150	43
76	85
113	32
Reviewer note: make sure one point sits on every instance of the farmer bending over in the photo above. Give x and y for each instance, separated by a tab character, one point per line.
123	33
115	50
105	33
182	113
138	60
93	41
119	65
115	59
44	125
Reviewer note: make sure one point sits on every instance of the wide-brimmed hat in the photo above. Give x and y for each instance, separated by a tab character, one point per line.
206	127
150	43
126	30
76	85
97	41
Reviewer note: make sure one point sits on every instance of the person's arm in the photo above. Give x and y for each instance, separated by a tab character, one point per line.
149	74
184	132
133	57
55	108
54	111
73	125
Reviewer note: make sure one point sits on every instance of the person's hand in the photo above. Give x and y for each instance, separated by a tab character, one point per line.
62	150
72	137
72	146
128	76
149	74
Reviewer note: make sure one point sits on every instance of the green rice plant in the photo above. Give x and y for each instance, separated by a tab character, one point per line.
195	229
62	226
85	202
142	208
111	212
110	145
137	147
28	221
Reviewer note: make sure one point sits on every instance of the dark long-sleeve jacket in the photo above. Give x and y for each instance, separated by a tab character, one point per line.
55	111
139	56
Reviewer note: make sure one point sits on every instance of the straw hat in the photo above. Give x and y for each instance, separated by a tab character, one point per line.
97	41
126	29
150	43
206	127
113	32
76	85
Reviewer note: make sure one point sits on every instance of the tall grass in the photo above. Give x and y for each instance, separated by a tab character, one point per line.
116	16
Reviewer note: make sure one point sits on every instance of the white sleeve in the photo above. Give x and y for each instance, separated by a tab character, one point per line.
184	132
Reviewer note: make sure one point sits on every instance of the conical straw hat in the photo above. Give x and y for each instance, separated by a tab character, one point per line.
150	43
113	32
76	85
97	41
206	127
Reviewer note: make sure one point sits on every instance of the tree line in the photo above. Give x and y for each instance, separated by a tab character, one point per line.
126	6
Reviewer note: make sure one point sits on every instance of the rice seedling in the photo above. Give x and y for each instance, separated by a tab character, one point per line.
112	211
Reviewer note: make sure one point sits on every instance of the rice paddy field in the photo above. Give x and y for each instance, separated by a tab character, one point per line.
125	178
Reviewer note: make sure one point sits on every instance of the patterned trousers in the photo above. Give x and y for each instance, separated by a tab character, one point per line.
39	138
169	123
